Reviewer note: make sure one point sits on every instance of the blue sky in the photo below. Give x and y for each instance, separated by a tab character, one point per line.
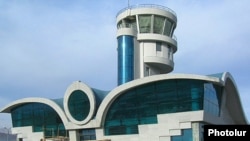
45	45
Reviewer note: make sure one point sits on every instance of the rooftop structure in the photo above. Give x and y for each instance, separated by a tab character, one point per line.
145	41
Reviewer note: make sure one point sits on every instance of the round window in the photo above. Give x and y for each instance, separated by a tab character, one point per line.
79	105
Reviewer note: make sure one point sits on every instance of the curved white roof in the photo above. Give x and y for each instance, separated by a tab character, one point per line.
51	103
233	102
226	80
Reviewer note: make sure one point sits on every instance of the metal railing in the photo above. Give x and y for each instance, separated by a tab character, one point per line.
147	6
174	37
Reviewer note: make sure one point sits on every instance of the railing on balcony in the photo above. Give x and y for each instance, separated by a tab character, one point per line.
147	6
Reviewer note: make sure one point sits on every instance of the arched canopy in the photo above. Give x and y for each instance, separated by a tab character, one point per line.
224	79
50	103
233	101
111	97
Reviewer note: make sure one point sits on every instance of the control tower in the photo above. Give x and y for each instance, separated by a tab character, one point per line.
145	41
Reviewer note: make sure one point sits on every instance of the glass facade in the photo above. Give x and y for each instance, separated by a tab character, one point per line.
155	24
87	134
129	22
168	28
145	23
158	24
41	117
186	135
140	105
79	105
125	59
212	101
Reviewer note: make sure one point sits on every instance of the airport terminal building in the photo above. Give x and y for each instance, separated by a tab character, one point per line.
148	104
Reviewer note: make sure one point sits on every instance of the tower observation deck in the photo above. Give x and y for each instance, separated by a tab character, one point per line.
146	43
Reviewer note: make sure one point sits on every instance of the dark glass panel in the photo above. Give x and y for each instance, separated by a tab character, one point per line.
186	135
212	98
158	24
141	104
145	23
168	27
125	59
79	105
41	117
87	134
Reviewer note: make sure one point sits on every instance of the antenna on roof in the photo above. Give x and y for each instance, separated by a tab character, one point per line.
128	4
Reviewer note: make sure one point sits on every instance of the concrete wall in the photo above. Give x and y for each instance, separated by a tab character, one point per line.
26	133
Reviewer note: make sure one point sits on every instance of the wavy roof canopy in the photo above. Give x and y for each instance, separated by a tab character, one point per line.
105	98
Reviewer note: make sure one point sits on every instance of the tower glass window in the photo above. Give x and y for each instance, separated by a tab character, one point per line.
130	22
119	25
158	46
168	27
158	24
145	23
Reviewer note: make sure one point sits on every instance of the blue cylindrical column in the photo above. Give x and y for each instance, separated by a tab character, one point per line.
125	59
